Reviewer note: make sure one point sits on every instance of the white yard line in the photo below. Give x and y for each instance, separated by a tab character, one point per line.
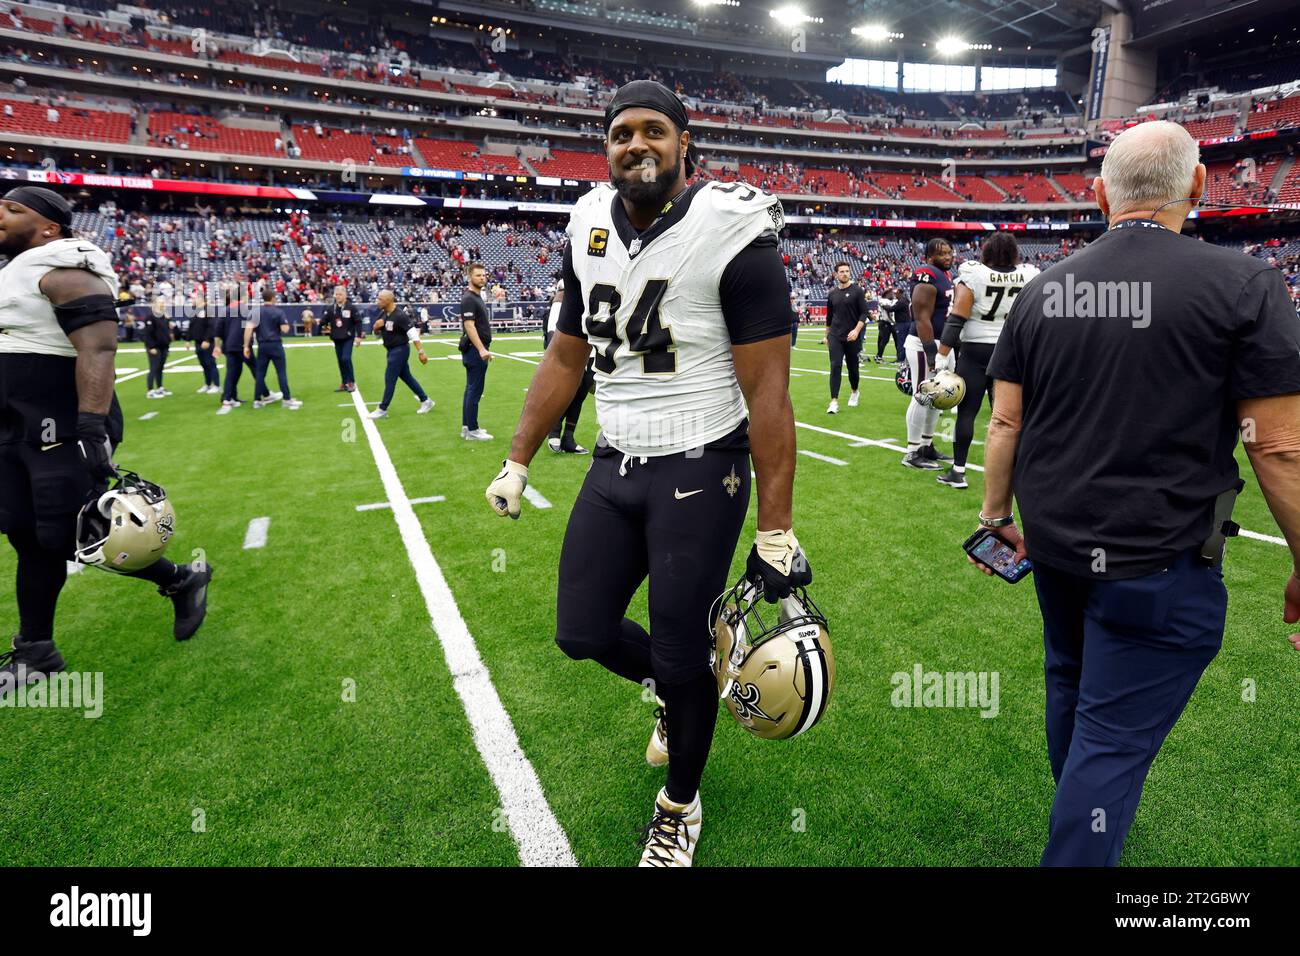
148	415
144	371
859	442
1272	539
826	458
539	836
535	497
388	504
255	536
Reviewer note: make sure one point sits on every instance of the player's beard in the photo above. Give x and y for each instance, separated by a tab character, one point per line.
653	193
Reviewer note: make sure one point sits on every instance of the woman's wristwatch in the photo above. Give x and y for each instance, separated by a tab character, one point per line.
996	522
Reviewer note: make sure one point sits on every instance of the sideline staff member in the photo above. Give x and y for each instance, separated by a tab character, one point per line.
846	317
343	321
1121	492
474	354
396	326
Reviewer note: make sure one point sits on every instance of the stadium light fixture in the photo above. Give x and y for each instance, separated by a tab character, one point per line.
791	16
949	46
876	33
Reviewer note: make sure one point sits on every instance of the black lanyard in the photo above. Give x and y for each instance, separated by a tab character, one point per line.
1135	223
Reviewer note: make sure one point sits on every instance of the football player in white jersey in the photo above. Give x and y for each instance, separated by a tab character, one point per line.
682	291
59	419
982	298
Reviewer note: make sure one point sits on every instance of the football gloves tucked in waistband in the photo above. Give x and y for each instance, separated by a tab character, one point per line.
777	564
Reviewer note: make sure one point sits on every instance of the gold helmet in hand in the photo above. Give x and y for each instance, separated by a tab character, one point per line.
773	662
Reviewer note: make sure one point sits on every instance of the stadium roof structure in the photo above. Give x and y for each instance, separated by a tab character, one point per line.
1052	24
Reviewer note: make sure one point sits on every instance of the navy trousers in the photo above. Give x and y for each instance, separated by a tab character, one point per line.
1121	661
267	354
209	365
343	352
475	379
234	368
399	368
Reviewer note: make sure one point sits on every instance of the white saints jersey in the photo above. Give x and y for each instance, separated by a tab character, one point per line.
27	320
993	293
665	382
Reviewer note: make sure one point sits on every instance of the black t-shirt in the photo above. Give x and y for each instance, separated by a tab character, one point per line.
474	309
1129	409
396	326
270	318
753	291
845	308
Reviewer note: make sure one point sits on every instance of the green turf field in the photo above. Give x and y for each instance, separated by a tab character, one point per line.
315	720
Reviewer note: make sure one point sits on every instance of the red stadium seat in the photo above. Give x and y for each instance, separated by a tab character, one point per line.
74	122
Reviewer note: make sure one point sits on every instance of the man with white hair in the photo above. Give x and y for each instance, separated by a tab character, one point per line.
1123	376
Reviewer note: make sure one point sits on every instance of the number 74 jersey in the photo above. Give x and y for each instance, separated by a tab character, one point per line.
665	382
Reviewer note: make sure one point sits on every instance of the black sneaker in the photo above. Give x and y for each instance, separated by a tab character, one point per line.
952	478
570	447
933	454
341	388
190	597
918	461
27	663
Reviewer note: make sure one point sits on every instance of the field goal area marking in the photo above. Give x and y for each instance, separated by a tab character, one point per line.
537	833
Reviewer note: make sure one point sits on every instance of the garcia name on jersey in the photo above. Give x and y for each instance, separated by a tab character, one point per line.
993	293
27	321
651	308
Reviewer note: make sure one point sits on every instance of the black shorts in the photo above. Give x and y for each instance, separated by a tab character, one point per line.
675	519
43	490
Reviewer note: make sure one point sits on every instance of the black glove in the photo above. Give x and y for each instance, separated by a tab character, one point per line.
777	563
96	450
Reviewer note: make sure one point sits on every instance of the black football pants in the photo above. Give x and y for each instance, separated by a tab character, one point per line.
972	365
844	352
674	519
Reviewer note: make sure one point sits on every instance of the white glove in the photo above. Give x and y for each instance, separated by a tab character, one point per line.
507	488
945	363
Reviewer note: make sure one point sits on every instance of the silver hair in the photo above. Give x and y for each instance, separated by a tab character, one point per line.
1149	164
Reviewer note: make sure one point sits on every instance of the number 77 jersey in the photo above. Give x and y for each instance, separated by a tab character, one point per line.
992	295
652	310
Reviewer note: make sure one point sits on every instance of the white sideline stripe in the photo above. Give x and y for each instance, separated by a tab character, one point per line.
535	497
255	536
826	458
124	371
859	442
350	405
539	836
415	501
148	415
